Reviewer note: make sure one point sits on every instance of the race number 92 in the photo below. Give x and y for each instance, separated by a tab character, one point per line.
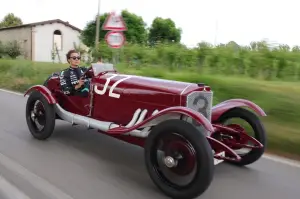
111	90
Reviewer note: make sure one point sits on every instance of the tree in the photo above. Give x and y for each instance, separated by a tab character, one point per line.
136	32
88	34
10	20
164	30
136	26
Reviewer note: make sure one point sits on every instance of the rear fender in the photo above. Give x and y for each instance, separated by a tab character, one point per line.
44	91
166	114
225	106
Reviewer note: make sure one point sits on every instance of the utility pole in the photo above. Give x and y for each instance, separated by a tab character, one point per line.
97	27
216	31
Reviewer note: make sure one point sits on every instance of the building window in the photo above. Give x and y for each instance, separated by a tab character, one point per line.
57	40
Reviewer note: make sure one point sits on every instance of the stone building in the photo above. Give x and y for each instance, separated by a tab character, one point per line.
39	39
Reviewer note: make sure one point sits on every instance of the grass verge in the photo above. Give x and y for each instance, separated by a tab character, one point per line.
279	99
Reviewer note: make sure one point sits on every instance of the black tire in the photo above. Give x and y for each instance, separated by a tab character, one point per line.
204	158
47	116
259	133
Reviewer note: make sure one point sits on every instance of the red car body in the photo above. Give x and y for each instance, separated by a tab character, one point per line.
116	97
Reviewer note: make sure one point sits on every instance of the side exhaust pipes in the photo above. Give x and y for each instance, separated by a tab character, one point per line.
73	118
82	120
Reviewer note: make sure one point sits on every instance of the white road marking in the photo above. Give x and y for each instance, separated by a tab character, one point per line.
286	161
281	160
11	92
9	191
37	182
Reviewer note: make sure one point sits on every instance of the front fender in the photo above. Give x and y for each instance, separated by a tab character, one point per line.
44	91
222	107
168	113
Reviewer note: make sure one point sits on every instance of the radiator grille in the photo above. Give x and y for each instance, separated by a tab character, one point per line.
201	102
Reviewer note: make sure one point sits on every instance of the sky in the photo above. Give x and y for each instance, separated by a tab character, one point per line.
214	21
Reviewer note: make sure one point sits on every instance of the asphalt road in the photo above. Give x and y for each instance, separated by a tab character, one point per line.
80	164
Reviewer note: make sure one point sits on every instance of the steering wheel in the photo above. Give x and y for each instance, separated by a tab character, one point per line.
83	76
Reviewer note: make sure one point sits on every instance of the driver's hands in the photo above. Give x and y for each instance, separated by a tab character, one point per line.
80	83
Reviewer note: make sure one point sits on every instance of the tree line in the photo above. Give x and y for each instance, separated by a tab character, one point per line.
257	60
163	30
159	45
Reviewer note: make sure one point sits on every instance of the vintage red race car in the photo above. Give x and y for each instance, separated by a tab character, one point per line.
182	134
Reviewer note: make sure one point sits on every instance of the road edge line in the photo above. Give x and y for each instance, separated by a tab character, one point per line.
11	92
36	181
10	191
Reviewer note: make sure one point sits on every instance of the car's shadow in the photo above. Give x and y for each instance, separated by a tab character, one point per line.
99	145
126	160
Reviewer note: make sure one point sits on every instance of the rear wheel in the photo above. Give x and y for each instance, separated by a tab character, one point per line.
255	129
40	116
179	159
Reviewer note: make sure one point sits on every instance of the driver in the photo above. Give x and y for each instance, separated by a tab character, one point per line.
71	81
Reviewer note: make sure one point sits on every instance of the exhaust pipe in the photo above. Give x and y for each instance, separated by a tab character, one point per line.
82	120
96	124
73	118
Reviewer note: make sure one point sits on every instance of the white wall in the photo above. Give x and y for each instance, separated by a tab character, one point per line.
43	41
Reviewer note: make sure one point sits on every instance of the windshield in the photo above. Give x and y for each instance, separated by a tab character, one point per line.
102	67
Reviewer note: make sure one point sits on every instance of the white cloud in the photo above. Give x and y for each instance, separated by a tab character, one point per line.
239	20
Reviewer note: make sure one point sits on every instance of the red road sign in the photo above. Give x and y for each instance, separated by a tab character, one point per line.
115	39
114	22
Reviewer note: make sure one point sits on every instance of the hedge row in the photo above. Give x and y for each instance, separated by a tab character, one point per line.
258	60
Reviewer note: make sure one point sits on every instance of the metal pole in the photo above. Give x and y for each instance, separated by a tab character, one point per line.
97	26
216	32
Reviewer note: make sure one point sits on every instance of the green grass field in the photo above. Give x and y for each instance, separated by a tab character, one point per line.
279	99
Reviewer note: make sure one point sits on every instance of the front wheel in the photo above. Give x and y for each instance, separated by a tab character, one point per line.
255	129
179	159
40	116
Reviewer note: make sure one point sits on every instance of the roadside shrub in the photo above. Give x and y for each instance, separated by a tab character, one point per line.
2	51
11	49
